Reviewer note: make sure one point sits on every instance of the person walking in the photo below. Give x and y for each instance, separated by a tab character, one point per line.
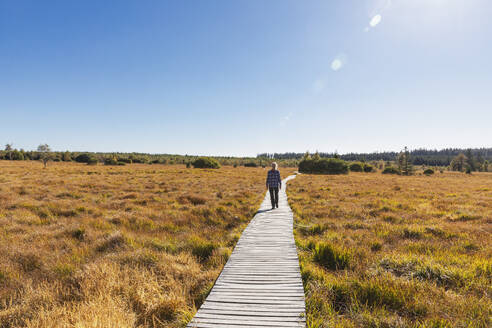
274	184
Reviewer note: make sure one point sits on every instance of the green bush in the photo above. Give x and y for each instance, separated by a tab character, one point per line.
111	161
251	164
92	161
140	159
356	167
125	160
323	166
428	171
205	163
330	257
390	170
17	155
83	158
368	168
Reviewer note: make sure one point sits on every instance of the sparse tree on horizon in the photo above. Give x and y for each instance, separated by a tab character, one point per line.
44	153
459	163
9	149
405	162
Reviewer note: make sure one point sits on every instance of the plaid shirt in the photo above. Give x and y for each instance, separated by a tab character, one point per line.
273	179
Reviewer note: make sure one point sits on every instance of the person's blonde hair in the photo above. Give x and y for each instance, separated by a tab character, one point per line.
276	165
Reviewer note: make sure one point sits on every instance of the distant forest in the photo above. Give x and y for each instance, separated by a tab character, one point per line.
477	157
419	156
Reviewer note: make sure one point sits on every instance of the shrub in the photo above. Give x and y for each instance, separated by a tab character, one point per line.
17	155
428	171
250	164
323	166
390	170
138	159
368	168
111	161
83	158
330	257
205	162
66	157
92	161
124	160
356	167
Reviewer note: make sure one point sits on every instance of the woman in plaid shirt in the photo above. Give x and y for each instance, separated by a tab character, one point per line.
274	183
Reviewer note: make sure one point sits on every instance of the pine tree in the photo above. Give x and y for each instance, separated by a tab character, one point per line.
404	162
479	161
470	162
408	162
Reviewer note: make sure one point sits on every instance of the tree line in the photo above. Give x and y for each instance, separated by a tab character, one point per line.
426	157
45	154
456	159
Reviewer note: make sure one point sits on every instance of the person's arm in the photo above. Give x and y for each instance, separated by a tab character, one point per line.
279	180
268	177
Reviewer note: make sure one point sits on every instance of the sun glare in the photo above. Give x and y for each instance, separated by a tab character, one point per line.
375	20
336	64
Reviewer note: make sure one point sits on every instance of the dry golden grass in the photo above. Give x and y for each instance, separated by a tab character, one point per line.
131	246
395	251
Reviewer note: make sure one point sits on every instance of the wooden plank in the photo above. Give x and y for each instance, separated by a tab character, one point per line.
260	285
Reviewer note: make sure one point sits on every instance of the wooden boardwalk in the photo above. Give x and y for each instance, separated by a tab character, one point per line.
260	285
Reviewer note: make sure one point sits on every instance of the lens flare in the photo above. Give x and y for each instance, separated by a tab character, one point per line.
375	20
336	64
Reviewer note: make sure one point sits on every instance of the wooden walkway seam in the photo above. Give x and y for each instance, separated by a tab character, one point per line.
260	285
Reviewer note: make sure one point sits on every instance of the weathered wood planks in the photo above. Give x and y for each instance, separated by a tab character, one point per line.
260	286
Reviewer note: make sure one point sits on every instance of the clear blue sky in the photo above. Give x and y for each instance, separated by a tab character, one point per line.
244	77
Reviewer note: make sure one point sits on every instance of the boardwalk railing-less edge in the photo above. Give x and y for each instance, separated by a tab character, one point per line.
260	285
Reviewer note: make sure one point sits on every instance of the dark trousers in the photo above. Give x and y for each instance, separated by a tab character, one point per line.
274	196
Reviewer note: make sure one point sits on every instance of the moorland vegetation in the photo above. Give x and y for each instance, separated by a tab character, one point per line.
141	245
382	250
116	246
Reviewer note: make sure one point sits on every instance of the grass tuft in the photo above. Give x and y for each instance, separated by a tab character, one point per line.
331	257
115	241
